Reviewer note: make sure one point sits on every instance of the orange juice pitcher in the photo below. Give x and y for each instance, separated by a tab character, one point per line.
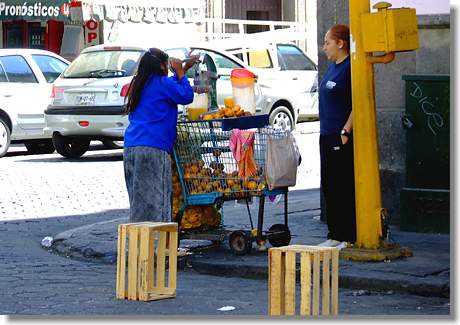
198	106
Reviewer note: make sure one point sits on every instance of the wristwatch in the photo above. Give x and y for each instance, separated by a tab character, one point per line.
345	133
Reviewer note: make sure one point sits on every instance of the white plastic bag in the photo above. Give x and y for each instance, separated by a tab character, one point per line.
281	162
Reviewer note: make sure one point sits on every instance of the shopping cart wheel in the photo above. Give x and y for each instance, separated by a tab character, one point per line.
240	242
279	235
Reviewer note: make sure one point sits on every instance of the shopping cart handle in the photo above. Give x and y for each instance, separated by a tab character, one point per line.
245	122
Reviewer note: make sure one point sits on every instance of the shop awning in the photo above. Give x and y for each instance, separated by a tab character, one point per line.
139	11
35	10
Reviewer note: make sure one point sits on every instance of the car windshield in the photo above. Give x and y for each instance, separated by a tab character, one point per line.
104	64
292	58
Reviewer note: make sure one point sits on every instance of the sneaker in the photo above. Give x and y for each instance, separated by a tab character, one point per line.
182	252
329	243
342	245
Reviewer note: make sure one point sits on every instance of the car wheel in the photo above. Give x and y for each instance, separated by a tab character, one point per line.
40	147
70	147
281	118
5	137
113	144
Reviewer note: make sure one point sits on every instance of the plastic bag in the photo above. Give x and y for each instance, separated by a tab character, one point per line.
281	162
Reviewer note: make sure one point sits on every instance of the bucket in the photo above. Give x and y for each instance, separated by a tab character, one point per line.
243	82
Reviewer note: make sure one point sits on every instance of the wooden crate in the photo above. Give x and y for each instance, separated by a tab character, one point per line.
146	264
282	280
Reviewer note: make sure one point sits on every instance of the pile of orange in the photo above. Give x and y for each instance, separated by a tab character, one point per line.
198	217
200	179
228	111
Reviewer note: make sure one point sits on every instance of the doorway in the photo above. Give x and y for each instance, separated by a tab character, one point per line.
22	34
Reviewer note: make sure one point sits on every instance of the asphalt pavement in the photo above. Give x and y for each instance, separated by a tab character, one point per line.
36	283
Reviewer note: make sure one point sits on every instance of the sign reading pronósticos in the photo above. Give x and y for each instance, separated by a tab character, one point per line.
34	10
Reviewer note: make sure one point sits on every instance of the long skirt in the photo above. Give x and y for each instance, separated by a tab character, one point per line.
148	180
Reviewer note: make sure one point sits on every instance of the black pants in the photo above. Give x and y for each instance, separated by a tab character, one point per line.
338	184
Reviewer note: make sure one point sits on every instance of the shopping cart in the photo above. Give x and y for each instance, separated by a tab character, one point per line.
209	175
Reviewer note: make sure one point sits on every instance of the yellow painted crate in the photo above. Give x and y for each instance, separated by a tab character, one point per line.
282	269
142	275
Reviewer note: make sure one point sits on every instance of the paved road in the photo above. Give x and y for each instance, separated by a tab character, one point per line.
36	282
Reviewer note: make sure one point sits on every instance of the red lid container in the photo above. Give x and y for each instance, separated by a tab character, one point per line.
241	73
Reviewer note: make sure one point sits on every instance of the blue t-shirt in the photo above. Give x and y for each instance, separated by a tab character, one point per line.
335	98
153	122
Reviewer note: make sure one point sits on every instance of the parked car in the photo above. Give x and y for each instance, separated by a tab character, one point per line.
88	97
26	77
285	66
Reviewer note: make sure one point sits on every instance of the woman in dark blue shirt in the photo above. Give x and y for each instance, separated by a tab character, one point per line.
336	140
152	107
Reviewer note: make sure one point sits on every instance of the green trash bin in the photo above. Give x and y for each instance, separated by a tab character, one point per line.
425	201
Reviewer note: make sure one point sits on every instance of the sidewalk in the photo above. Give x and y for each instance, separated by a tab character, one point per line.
426	273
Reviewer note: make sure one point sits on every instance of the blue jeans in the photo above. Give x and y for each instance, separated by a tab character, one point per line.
149	182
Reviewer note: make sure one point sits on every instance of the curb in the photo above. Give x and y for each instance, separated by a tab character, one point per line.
405	285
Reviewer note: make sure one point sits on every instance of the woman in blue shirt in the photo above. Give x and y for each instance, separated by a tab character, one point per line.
152	107
336	140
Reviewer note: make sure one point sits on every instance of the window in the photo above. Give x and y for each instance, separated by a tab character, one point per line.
17	69
104	64
222	62
3	77
257	15
49	66
259	59
291	57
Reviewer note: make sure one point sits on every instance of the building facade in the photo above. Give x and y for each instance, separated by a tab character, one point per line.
37	25
67	26
299	11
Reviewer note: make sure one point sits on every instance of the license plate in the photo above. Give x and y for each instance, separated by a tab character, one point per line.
85	99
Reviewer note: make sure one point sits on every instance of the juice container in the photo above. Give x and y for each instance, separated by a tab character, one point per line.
198	106
243	82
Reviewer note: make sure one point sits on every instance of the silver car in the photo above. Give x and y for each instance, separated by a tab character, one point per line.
26	77
88	98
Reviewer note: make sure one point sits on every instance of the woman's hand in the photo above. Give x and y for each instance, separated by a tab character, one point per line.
176	66
344	139
190	61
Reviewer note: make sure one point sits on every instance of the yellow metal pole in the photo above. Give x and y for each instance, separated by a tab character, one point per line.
367	178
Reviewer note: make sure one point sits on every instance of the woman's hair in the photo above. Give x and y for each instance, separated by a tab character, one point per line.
150	64
341	33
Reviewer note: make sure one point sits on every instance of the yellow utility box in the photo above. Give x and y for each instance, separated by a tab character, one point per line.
390	30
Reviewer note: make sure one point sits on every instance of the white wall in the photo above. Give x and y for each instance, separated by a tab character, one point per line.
151	35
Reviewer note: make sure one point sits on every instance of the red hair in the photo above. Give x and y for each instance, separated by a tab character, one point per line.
341	33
